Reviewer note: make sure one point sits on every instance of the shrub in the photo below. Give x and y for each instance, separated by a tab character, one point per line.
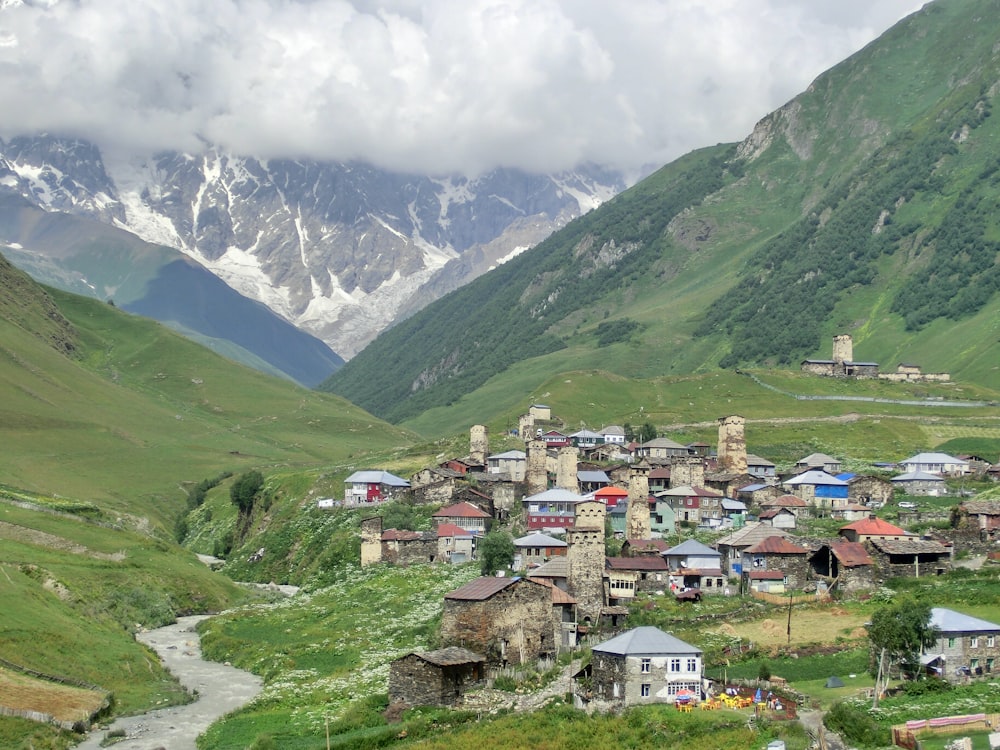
856	726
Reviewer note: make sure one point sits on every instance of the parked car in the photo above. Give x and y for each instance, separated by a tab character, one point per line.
688	595
907	504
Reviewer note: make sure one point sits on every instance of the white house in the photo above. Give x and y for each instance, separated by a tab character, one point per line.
935	463
645	665
372	487
511	463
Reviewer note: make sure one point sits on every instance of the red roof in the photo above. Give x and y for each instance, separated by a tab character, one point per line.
766	575
461	510
776	545
851	554
450	529
772	512
611	492
401	535
558	595
874	527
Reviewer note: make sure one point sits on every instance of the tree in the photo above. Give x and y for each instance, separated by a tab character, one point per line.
496	552
647	432
244	491
897	633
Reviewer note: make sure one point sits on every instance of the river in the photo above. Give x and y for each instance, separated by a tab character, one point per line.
220	689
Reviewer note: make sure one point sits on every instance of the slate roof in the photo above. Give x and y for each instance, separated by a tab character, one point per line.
909	547
950	621
776	545
753	460
558	595
450	656
645	641
664	443
404	535
982	507
772	512
737	505
692	547
817	459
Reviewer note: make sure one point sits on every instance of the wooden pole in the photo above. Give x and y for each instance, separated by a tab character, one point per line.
789	617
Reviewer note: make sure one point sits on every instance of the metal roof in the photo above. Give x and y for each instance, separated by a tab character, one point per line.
815	476
482	588
950	621
917	476
932	458
851	554
538	540
692	547
592	476
643	562
874	527
511	455
461	510
373	476
646	641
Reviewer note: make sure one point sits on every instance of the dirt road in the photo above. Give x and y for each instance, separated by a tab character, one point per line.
221	689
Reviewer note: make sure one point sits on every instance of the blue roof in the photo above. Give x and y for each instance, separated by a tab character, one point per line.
846	476
752	488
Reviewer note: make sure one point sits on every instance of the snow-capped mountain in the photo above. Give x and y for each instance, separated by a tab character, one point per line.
340	250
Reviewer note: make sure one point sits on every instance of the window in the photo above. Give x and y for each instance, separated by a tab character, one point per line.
644	666
644	690
989	665
951	643
991	641
675	665
692	665
974	642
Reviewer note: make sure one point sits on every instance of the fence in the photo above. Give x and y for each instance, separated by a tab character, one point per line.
48	718
905	735
780	599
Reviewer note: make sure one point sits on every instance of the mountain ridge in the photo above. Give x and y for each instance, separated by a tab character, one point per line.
836	214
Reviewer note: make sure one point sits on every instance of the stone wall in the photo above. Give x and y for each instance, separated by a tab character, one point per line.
732	448
371	541
585	556
412	551
514	626
413	681
536	472
689	472
479	443
566	468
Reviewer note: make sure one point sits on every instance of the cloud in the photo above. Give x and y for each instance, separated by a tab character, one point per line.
429	86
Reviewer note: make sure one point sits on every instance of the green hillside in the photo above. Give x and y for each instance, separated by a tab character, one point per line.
106	407
863	206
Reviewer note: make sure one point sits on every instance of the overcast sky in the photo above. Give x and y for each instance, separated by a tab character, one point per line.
431	86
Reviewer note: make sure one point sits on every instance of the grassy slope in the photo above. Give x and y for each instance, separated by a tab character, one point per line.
142	411
846	143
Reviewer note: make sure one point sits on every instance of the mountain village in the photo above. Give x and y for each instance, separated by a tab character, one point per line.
570	496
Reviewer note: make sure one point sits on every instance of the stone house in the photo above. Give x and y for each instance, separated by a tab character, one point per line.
920	483
728	482
757	494
644	665
868	490
643	547
509	620
435	678
767	581
778	553
434	485
982	517
540	412
966	646
564	619
910	557
663	448
659	479
402	547
844	565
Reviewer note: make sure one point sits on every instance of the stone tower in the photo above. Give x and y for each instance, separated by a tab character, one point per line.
585	558
566	469
371	541
479	443
526	427
638	524
843	348
732	445
536	474
687	472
